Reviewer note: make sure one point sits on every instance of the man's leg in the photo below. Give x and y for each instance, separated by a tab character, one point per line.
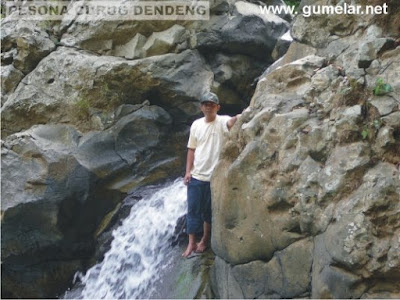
193	216
206	210
203	244
192	246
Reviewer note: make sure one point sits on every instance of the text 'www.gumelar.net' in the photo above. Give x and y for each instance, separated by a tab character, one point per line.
310	10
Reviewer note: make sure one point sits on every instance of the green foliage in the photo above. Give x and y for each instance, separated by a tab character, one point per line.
82	108
365	133
294	3
371	129
101	101
382	88
110	97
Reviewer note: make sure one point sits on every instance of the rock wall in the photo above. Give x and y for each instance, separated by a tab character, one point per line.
306	196
92	110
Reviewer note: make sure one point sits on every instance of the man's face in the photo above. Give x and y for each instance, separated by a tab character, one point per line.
209	109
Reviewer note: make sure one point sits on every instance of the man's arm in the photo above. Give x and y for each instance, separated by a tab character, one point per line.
232	121
189	165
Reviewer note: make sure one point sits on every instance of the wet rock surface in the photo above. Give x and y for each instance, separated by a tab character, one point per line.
306	194
94	110
57	197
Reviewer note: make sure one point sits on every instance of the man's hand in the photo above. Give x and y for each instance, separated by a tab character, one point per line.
189	166
187	178
233	120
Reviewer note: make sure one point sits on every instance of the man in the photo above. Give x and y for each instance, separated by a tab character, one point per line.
204	146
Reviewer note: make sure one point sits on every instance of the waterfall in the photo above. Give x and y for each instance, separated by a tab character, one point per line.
140	249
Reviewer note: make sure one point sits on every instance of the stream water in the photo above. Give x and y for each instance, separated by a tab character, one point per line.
140	251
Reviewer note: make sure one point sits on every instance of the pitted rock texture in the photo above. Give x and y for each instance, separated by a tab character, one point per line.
92	110
306	196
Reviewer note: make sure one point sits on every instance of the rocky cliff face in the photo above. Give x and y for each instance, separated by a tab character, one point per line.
306	196
91	111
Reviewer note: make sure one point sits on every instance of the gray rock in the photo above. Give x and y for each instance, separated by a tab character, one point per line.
392	120
374	68
126	109
10	77
118	148
318	29
250	32
46	200
340	165
385	137
32	43
252	279
324	77
74	179
104	37
117	37
385	104
329	280
282	45
295	52
286	275
296	186
170	80
132	49
165	41
224	285
287	84
233	77
7	57
297	159
347	124
369	50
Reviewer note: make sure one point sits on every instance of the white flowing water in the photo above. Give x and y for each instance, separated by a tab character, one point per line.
140	250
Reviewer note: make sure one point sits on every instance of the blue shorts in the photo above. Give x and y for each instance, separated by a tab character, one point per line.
199	205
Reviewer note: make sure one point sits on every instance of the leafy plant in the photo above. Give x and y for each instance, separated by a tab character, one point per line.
365	133
83	108
371	129
382	88
294	3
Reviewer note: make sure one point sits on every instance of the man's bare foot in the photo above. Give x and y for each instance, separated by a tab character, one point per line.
201	247
190	248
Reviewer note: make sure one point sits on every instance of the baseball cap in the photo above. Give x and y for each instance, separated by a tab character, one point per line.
209	97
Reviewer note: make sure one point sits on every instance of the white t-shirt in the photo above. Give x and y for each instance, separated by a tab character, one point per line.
207	139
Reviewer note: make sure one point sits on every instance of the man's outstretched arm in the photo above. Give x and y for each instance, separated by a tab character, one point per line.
232	121
189	165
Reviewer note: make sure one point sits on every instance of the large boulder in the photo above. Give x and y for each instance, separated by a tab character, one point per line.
47	198
59	185
312	167
318	29
237	43
28	43
23	45
235	27
234	78
248	32
89	82
79	132
10	77
286	275
122	155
